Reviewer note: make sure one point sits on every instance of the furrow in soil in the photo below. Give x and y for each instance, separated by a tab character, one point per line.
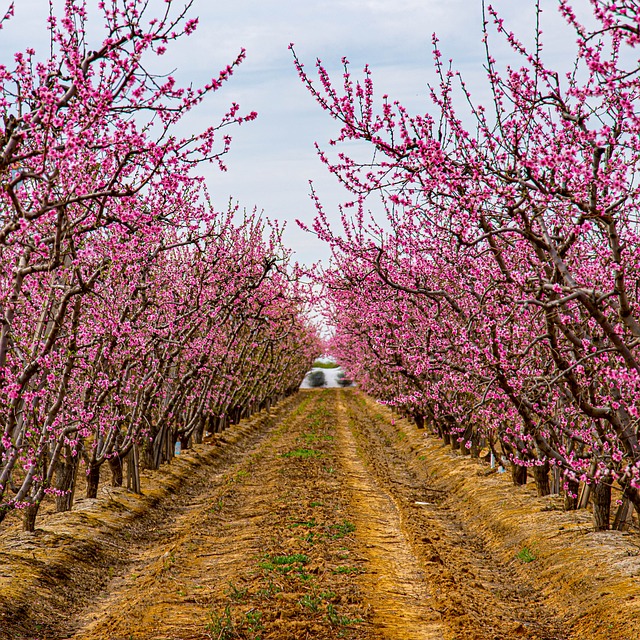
265	553
403	606
478	597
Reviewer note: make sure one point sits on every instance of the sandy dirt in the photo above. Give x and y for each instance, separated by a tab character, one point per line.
324	520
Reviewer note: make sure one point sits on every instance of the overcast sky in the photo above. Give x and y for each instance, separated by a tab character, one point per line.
273	158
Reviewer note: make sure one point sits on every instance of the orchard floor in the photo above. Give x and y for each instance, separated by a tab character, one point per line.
321	523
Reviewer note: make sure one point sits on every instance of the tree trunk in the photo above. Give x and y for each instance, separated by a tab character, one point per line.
518	475
185	442
116	471
419	418
157	449
555	482
148	455
29	517
585	494
93	480
66	474
571	495
601	494
133	470
541	476
475	446
199	431
624	515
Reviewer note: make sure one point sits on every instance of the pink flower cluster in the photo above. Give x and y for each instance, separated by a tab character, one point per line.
494	294
132	312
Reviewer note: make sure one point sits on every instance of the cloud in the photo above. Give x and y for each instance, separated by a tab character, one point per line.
272	159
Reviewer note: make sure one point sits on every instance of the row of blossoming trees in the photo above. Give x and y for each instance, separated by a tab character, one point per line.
132	313
496	297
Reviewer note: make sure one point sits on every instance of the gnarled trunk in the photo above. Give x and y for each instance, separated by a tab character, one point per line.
66	474
133	470
601	496
541	477
115	464
29	516
93	480
571	495
518	474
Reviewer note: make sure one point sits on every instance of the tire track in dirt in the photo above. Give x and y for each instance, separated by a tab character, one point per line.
479	597
168	530
403	606
261	554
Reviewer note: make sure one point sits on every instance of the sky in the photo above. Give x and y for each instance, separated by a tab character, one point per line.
273	158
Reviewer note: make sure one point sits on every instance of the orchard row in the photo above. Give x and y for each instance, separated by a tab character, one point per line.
486	276
133	314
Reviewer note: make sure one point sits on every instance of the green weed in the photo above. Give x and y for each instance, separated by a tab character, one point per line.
252	621
285	564
526	554
222	626
302	453
343	529
235	593
310	602
270	590
217	507
337	620
309	524
349	571
311	538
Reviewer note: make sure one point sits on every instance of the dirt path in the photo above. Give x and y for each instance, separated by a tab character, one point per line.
265	552
320	526
476	596
396	588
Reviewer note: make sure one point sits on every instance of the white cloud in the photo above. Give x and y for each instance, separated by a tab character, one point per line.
273	158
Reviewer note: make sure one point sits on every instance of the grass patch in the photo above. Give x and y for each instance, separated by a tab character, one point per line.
311	537
337	620
292	559
526	554
218	506
319	364
347	571
302	453
343	529
286	564
269	590
310	602
236	593
224	626
309	524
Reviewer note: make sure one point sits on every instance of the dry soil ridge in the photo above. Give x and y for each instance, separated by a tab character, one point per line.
590	580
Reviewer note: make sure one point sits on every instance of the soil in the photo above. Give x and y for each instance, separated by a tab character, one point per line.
327	518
